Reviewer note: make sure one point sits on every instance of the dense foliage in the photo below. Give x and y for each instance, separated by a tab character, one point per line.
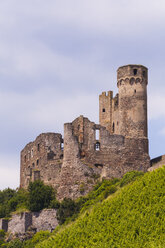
37	197
132	218
40	195
10	200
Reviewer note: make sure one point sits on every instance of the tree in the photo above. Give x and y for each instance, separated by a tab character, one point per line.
40	195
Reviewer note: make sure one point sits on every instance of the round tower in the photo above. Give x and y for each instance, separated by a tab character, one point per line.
132	83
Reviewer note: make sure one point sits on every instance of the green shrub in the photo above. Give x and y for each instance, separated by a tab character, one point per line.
67	208
2	237
130	177
40	195
15	244
38	237
109	191
54	204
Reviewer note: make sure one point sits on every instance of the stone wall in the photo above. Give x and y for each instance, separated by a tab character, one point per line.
157	162
20	223
42	159
109	156
4	224
45	220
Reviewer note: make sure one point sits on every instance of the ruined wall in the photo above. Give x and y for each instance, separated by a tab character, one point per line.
4	224
109	156
157	162
20	223
42	159
109	111
45	220
105	110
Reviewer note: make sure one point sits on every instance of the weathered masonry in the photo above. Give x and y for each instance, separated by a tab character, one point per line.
89	151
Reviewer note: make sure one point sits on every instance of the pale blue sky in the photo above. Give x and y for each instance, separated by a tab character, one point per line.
56	57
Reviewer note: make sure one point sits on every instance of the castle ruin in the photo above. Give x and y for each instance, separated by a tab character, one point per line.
89	151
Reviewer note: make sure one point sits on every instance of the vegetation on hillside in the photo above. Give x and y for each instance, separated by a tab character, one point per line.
37	197
133	217
125	213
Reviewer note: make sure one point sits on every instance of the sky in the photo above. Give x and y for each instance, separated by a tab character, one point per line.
57	56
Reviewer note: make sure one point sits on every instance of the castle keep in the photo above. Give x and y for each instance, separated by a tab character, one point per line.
89	151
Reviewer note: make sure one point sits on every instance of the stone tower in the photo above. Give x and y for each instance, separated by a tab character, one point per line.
126	113
105	110
132	83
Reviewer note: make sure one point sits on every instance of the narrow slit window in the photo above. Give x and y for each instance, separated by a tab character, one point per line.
37	161
113	127
135	91
25	158
38	147
97	134
103	109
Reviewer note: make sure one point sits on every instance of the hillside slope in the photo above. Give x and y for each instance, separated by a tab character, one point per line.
133	217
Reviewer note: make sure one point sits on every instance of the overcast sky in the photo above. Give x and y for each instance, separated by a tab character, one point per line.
57	56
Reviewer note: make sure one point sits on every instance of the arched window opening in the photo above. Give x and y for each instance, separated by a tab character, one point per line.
135	71
97	146
103	109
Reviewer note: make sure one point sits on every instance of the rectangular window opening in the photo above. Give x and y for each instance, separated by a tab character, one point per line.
97	134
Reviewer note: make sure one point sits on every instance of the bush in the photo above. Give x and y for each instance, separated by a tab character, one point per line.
15	244
40	195
38	237
130	177
67	208
54	204
2	237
